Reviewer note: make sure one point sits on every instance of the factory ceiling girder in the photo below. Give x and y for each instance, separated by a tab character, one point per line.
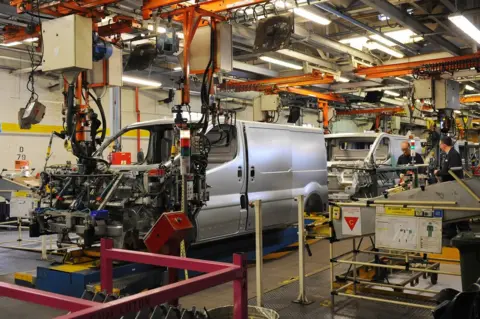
408	21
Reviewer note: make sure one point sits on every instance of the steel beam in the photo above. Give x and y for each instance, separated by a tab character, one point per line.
13	22
450	6
329	9
317	40
378	88
248	35
309	58
254	69
422	57
408	21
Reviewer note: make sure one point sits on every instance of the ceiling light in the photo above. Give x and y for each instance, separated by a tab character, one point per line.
469	88
377	46
458	111
403	36
138	81
311	16
159	29
282	63
11	44
177	68
466	26
30	40
391	93
402	80
342	79
356	43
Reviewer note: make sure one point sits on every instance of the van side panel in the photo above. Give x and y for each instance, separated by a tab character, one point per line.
222	216
309	164
269	172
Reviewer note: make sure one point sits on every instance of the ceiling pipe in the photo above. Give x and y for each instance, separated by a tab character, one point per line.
13	22
329	9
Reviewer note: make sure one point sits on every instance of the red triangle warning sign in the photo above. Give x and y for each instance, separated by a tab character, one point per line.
351	222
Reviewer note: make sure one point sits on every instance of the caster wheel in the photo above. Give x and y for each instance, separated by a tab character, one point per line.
434	279
413	283
424	275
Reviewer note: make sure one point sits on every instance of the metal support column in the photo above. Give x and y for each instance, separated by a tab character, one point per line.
116	114
259	251
44	247
302	297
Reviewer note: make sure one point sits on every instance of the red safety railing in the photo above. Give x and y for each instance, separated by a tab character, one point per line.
215	273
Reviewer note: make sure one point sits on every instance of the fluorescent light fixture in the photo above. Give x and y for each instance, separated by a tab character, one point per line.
30	40
377	46
142	82
177	68
466	26
159	29
11	44
402	80
391	93
469	88
282	63
342	79
357	43
311	16
403	36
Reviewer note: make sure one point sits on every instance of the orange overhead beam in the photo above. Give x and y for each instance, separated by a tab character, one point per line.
276	83
470	99
372	111
412	65
322	96
389	74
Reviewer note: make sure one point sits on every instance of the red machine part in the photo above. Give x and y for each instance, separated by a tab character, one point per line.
121	158
167	233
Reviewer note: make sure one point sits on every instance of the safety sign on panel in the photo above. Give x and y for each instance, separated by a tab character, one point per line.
351	221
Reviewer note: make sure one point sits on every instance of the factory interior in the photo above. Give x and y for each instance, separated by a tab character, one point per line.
240	159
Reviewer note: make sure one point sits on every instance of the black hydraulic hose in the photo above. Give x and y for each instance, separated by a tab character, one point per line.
70	109
102	114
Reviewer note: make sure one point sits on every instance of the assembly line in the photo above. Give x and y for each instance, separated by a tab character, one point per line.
221	159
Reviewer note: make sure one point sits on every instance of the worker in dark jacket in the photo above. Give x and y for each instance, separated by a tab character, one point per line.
407	159
452	160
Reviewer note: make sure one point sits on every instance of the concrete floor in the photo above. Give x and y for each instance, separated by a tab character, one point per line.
278	284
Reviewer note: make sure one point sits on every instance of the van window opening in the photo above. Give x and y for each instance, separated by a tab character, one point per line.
223	144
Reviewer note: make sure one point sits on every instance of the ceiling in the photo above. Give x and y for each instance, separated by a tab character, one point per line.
328	48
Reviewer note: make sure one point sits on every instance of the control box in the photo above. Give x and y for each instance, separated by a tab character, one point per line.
269	102
200	52
22	204
67	43
445	93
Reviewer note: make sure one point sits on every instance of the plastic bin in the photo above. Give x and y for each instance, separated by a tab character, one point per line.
253	313
468	244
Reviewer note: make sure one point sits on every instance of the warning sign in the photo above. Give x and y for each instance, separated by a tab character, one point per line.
400	211
351	221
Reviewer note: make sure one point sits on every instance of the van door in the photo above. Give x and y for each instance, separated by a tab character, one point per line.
269	172
225	214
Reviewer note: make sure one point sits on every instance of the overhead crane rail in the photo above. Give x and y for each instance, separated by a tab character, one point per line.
423	68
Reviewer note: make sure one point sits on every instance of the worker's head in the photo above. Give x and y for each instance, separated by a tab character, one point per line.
446	143
405	148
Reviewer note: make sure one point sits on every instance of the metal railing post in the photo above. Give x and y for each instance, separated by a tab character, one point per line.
106	266
259	251
302	298
44	247
240	292
19	231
